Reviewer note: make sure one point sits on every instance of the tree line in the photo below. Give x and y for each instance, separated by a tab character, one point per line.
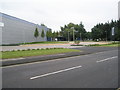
71	31
103	31
49	34
36	33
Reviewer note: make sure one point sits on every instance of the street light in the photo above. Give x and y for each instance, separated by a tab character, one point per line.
80	37
106	35
68	36
73	33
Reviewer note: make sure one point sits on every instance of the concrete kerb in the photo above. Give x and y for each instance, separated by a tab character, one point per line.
9	62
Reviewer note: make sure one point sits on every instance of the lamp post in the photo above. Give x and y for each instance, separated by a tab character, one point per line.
106	35
68	36
80	37
73	33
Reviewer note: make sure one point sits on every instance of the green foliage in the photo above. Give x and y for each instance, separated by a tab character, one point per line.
26	53
77	42
42	34
36	33
49	34
54	34
103	31
79	28
42	24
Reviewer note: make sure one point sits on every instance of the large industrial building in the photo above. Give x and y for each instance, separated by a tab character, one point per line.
14	30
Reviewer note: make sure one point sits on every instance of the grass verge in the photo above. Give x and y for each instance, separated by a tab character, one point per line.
36	52
106	45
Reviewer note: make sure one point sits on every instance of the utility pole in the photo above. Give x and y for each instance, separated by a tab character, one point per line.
73	34
80	37
106	36
68	36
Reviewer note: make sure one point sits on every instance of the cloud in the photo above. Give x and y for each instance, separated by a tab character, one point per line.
56	13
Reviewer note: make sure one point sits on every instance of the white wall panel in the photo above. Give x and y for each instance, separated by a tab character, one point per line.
19	31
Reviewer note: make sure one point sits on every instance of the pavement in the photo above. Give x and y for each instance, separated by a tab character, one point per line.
35	46
95	70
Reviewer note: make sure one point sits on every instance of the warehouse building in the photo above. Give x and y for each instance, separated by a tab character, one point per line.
14	30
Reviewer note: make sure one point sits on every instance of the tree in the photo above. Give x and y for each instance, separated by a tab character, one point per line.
36	33
103	31
42	34
42	24
49	34
67	32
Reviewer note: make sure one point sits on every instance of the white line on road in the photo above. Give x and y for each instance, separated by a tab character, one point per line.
47	74
106	59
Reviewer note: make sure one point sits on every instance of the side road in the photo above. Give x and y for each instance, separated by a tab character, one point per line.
84	51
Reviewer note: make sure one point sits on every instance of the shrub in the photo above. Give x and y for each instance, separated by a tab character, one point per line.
37	49
13	50
28	49
77	42
18	50
47	48
23	50
42	49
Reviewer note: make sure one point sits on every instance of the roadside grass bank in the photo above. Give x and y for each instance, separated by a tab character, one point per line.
35	52
106	45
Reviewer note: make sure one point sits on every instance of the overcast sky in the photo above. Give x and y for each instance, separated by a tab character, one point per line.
56	13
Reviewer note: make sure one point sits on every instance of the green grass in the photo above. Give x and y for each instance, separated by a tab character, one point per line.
26	53
106	45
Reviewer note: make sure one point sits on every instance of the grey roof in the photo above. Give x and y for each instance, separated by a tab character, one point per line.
17	19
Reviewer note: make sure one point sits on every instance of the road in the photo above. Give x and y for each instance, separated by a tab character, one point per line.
98	70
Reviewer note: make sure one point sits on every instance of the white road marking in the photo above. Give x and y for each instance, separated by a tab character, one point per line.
47	74
107	59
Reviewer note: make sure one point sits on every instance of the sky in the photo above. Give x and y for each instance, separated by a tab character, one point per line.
56	13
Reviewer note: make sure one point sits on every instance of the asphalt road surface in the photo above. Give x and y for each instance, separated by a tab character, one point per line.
98	70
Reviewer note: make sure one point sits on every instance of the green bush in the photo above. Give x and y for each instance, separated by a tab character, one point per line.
28	49
37	49
23	50
47	48
77	42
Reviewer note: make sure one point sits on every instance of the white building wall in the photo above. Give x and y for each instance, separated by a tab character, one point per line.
20	31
